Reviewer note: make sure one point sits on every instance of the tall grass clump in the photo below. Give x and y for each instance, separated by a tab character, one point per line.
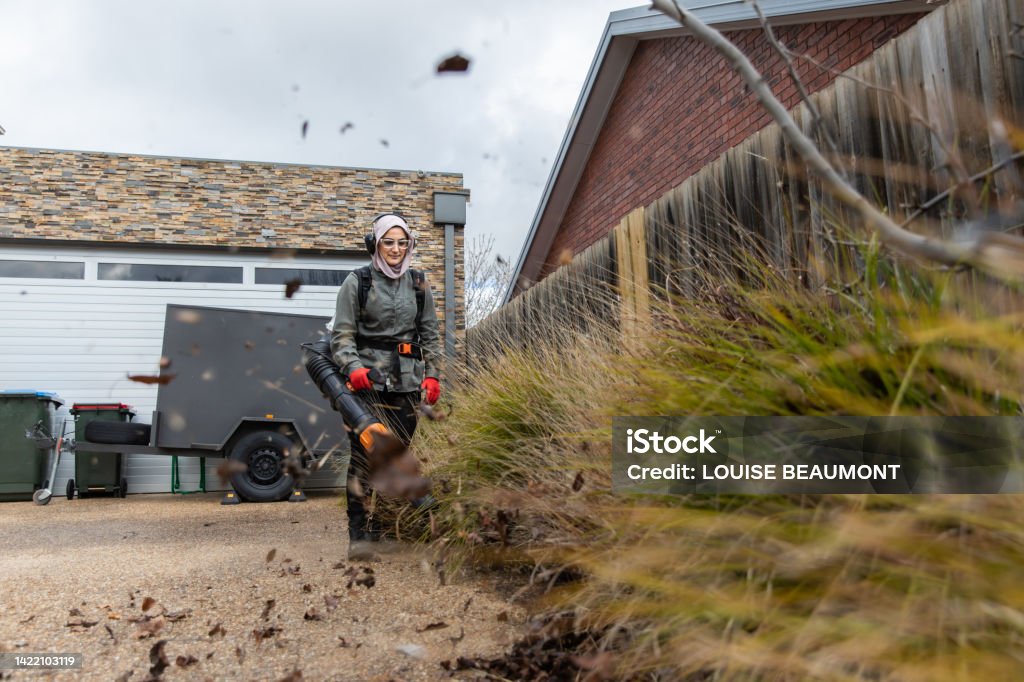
751	587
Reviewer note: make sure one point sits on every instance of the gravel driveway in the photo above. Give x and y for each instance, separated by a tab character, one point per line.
77	576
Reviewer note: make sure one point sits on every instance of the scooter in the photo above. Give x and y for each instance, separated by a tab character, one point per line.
45	494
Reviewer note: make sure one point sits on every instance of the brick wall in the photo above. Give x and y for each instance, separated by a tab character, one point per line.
66	196
681	106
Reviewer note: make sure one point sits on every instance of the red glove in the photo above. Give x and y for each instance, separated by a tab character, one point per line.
360	380
433	389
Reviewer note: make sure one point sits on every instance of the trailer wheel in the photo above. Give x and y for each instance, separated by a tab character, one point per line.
263	454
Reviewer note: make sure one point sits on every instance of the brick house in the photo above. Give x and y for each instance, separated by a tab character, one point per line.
658	105
93	246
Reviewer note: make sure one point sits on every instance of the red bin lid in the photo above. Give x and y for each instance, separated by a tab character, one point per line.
85	407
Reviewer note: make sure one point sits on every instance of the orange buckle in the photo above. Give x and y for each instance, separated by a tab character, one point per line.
405	349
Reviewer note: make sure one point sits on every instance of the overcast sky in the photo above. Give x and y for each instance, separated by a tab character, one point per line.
235	80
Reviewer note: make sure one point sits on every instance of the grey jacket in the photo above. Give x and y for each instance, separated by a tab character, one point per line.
389	314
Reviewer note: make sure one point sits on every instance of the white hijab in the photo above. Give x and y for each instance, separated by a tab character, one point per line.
380	228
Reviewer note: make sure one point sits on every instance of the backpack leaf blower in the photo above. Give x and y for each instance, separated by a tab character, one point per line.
385	451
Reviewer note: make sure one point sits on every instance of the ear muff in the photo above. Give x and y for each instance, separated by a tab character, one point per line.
369	239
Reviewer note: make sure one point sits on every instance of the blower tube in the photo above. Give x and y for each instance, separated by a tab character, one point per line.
316	356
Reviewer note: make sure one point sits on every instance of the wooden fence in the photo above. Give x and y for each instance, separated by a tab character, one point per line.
916	117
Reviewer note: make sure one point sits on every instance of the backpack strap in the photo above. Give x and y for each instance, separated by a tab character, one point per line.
419	280
365	284
419	283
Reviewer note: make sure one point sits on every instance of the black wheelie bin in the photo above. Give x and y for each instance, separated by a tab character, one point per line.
97	473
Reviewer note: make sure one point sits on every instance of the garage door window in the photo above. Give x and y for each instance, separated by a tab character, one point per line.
41	269
143	272
317	278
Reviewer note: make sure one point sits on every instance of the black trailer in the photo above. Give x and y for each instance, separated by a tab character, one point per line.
232	384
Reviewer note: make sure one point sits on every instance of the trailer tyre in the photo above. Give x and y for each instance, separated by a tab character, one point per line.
263	454
118	433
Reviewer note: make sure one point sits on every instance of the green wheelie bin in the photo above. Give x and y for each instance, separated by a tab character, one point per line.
26	435
97	473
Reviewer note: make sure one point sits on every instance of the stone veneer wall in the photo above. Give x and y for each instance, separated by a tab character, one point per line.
79	197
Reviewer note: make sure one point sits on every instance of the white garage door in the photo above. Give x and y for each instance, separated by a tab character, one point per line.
78	321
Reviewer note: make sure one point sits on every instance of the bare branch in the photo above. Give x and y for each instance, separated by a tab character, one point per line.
818	123
955	162
1003	256
939	198
487	277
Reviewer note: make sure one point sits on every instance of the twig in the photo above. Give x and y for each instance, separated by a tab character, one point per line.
817	122
976	252
942	196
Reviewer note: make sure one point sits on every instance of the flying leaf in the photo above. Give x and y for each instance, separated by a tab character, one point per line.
158	659
260	634
291	286
186	661
163	379
433	626
454	64
228	468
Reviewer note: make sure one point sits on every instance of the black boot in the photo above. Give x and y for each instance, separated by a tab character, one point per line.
361	531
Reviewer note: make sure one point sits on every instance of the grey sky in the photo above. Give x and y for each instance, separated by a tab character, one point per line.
235	80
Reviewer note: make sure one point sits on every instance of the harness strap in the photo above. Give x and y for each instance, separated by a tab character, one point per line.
407	348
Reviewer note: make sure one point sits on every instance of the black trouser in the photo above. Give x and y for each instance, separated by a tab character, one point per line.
397	411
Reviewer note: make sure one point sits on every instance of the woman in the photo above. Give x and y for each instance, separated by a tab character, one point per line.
385	340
